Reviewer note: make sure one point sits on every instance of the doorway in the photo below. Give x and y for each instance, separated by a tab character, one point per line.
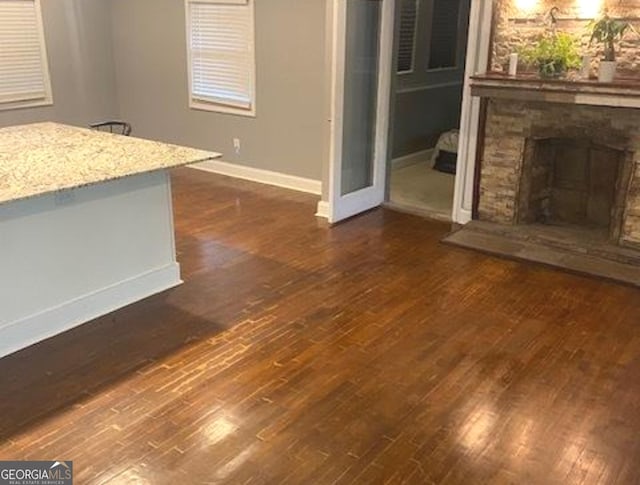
362	107
431	41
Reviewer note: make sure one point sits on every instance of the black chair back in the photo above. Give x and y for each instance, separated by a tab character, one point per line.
117	127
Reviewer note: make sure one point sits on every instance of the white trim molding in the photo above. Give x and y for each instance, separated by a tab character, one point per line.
323	209
30	330
427	87
477	60
411	158
292	182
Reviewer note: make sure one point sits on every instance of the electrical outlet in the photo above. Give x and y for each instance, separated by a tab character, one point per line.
236	145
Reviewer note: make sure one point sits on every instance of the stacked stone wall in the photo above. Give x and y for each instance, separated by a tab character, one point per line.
515	28
510	124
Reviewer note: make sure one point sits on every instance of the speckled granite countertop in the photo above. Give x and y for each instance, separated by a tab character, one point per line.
42	158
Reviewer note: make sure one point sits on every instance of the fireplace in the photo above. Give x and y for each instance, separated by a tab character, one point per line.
558	178
557	170
574	182
564	165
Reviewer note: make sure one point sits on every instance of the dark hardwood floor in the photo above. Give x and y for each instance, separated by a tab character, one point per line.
366	353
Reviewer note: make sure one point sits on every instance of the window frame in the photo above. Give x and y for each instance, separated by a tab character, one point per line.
459	45
219	107
47	100
414	41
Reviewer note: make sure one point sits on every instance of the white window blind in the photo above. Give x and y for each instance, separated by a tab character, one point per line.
221	51
24	77
407	37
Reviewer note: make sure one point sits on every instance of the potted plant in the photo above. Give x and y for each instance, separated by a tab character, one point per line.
608	31
553	54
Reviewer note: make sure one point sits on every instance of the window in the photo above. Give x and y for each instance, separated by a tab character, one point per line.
220	37
445	33
24	73
407	37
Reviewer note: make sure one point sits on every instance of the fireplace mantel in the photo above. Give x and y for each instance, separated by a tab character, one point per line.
621	94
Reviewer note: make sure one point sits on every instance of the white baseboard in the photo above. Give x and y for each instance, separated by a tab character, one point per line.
25	332
462	216
323	209
268	177
411	159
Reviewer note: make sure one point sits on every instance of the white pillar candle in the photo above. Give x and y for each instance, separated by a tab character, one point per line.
513	64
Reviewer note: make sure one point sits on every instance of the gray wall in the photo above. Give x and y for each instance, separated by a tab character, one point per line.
78	37
422	115
288	134
427	103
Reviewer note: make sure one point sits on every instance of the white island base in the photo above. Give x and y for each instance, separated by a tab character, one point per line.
86	226
71	256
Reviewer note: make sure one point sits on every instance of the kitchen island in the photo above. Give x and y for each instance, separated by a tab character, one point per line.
86	226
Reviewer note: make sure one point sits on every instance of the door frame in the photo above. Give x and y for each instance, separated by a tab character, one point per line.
477	60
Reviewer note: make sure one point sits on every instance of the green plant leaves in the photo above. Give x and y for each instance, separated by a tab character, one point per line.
553	54
607	31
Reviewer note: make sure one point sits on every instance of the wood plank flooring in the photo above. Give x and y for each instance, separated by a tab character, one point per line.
365	353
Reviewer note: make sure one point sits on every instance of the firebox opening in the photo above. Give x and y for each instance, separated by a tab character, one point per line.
569	182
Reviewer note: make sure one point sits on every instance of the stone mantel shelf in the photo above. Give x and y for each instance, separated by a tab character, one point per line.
620	94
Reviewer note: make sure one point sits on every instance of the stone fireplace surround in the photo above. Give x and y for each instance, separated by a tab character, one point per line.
512	129
532	202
